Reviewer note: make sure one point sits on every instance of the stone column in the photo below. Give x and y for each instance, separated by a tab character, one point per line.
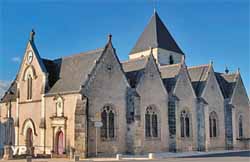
64	136
81	128
200	119
53	139
138	133
207	131
234	127
177	126
229	125
42	137
42	126
16	124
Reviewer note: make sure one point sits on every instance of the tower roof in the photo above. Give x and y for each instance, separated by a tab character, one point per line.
156	35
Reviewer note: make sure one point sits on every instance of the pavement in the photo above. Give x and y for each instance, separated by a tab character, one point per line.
220	156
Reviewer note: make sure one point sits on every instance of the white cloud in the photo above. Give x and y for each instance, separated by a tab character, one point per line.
4	85
16	59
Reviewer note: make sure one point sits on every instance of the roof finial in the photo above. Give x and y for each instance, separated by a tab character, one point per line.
183	59
32	35
151	49
154	3
226	70
238	70
109	37
211	62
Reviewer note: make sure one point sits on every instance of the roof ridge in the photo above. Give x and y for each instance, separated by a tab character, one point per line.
231	73
46	59
81	53
134	59
170	65
156	31
197	66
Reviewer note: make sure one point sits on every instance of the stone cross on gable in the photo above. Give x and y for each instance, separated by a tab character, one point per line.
32	35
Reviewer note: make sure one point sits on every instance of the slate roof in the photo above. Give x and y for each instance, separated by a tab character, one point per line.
227	83
168	74
156	35
69	73
11	93
66	74
72	71
169	71
134	69
38	56
134	64
53	70
198	76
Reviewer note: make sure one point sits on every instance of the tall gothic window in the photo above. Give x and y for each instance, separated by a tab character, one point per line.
111	125
147	124
171	117
29	87
241	126
151	122
108	121
171	60
213	124
154	125
104	132
185	124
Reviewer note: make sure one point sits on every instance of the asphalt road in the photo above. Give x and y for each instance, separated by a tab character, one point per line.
243	156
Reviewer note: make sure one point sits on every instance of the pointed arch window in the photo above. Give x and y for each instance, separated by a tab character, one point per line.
151	122
171	117
29	87
213	124
104	132
187	127
108	121
147	124
111	125
154	125
240	126
185	124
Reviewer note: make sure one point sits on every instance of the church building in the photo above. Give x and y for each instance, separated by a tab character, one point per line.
92	104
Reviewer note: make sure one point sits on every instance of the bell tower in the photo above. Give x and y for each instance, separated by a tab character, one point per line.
156	36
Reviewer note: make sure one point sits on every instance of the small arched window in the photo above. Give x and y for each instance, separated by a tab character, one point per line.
29	87
240	126
171	59
151	122
108	121
185	124
213	124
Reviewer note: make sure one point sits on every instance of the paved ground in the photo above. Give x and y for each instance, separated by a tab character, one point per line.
238	156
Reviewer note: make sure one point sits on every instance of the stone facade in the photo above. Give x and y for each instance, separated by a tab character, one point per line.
91	104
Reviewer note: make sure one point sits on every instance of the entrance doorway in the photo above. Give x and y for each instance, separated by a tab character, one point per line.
60	143
29	141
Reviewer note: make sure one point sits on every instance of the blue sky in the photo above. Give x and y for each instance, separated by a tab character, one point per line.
207	30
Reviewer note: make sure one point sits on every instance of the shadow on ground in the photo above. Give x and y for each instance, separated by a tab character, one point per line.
229	154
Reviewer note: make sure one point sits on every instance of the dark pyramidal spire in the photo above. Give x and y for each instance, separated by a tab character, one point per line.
156	35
